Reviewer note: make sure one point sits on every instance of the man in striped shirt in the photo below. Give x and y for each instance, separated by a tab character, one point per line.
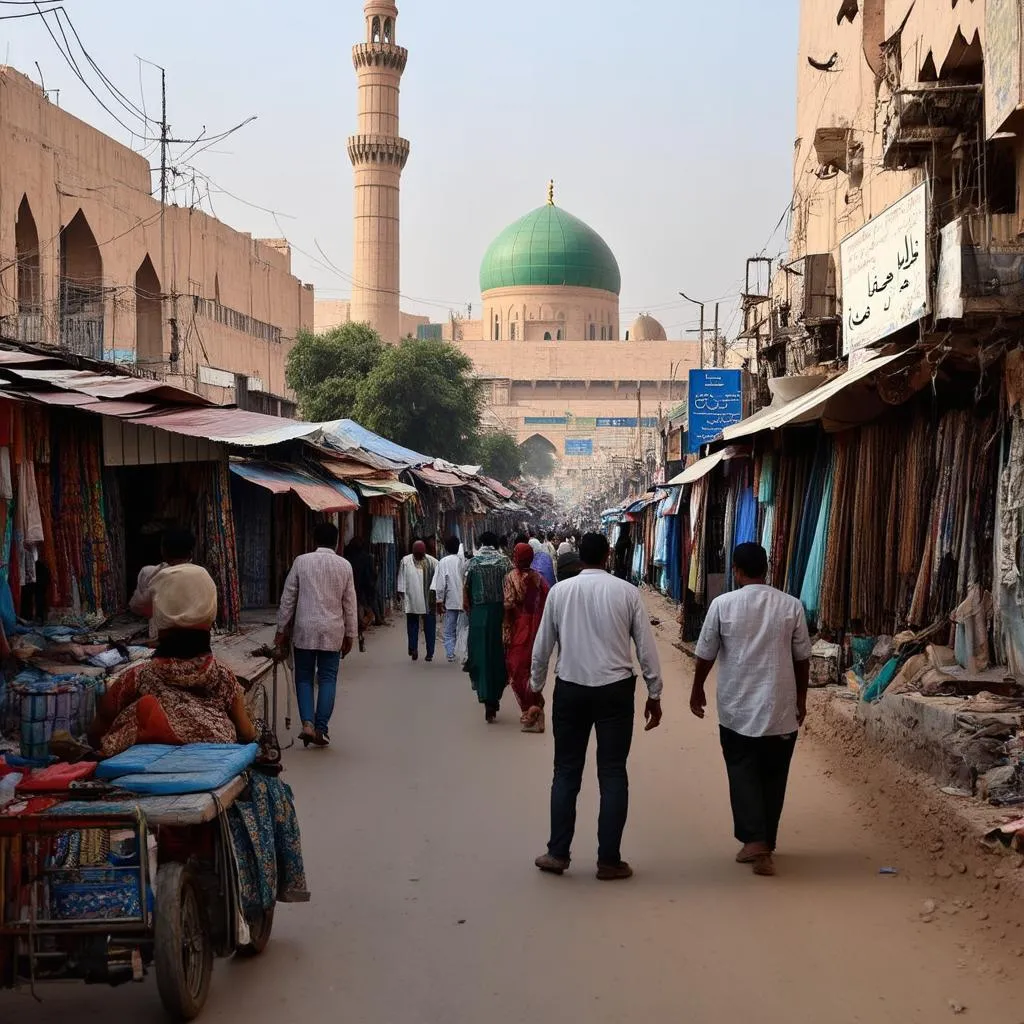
318	612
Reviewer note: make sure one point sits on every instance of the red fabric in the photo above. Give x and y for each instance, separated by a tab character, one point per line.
56	778
525	596
153	724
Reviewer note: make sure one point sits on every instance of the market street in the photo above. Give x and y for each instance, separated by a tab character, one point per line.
420	827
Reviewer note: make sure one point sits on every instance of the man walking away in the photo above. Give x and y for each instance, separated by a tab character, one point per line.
758	635
319	613
594	619
415	582
448	584
365	575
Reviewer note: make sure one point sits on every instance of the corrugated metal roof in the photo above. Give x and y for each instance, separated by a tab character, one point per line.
104	385
319	495
229	426
500	489
346	435
391	488
437	478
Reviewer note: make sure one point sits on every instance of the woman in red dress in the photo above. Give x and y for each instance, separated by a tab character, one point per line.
525	594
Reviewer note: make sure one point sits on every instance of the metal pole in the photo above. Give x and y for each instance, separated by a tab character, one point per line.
163	178
702	335
716	339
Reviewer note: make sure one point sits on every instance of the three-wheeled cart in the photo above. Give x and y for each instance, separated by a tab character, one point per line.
103	891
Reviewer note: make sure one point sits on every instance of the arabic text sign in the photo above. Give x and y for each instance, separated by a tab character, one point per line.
885	274
579	446
716	402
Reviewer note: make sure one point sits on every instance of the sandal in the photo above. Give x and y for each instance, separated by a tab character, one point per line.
308	735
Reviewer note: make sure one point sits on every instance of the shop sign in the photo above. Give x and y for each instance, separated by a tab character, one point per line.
885	274
579	446
716	402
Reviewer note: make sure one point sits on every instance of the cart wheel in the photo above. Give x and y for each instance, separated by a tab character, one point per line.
183	953
259	934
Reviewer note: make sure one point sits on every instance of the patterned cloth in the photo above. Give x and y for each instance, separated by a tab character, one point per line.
268	846
319	602
525	595
167	700
485	577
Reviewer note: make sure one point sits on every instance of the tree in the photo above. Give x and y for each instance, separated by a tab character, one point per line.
326	370
499	455
423	394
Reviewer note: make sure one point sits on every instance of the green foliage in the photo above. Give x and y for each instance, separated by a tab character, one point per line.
326	370
499	455
422	394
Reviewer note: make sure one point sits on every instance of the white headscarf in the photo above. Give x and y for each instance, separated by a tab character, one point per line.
184	597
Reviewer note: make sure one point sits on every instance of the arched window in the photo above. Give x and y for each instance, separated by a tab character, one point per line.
593	332
375	31
558	335
149	342
497	328
547	335
513	331
604	333
26	248
81	289
389	30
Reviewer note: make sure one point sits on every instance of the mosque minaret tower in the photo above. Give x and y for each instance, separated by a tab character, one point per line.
378	154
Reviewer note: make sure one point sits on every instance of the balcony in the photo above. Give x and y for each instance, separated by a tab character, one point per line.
24	327
926	115
981	267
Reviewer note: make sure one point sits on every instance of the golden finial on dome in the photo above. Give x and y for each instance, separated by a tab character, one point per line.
551	192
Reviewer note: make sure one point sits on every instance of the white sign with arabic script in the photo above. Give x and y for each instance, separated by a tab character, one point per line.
885	274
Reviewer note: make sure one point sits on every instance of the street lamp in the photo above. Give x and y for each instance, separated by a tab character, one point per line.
701	304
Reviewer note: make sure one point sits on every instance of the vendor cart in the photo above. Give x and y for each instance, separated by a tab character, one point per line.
103	891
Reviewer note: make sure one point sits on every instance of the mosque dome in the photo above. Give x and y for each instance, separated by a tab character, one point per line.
646	328
550	247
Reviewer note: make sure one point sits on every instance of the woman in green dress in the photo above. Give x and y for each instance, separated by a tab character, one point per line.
485	604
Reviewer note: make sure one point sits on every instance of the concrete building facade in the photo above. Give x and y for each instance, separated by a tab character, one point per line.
92	264
378	155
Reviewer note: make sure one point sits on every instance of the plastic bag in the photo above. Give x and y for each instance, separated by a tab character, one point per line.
462	638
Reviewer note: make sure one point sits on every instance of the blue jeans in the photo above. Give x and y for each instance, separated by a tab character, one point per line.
324	666
412	623
451	631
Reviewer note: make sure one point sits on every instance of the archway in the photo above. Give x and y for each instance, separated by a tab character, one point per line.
539	456
149	342
81	289
26	248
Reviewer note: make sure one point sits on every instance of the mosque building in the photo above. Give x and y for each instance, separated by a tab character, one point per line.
559	373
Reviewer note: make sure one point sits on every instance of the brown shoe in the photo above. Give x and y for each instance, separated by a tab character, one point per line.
750	853
552	865
764	865
614	872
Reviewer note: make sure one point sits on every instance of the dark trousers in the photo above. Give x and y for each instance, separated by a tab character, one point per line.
608	710
758	770
412	623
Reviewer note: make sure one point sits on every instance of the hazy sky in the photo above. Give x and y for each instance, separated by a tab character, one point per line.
668	126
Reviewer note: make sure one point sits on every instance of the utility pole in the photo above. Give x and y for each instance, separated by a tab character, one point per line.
163	175
716	339
701	304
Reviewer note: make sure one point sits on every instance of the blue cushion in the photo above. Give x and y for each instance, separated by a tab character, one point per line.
196	768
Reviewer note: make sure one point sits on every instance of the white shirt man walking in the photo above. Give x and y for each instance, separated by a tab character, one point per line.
449	580
758	636
318	612
595	619
415	584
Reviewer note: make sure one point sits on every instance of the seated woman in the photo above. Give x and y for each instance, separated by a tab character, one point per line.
182	694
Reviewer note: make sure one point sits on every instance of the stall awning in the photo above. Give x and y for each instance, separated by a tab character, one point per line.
384	488
319	495
438	477
702	467
809	407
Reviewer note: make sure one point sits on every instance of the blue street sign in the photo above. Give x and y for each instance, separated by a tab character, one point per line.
716	402
579	446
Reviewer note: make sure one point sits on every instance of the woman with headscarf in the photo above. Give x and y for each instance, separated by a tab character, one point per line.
525	593
485	604
182	694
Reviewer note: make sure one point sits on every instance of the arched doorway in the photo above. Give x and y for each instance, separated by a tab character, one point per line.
81	289
30	291
539	456
149	340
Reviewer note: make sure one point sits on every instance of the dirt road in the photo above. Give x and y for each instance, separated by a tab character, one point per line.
420	829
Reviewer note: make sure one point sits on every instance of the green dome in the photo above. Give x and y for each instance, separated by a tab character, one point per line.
550	247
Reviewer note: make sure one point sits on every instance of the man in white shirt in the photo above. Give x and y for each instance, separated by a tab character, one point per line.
318	612
758	635
415	583
449	580
595	619
549	547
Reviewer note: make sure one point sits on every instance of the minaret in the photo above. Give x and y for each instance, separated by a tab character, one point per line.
378	155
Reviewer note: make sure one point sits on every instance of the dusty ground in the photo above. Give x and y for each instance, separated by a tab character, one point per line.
420	828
